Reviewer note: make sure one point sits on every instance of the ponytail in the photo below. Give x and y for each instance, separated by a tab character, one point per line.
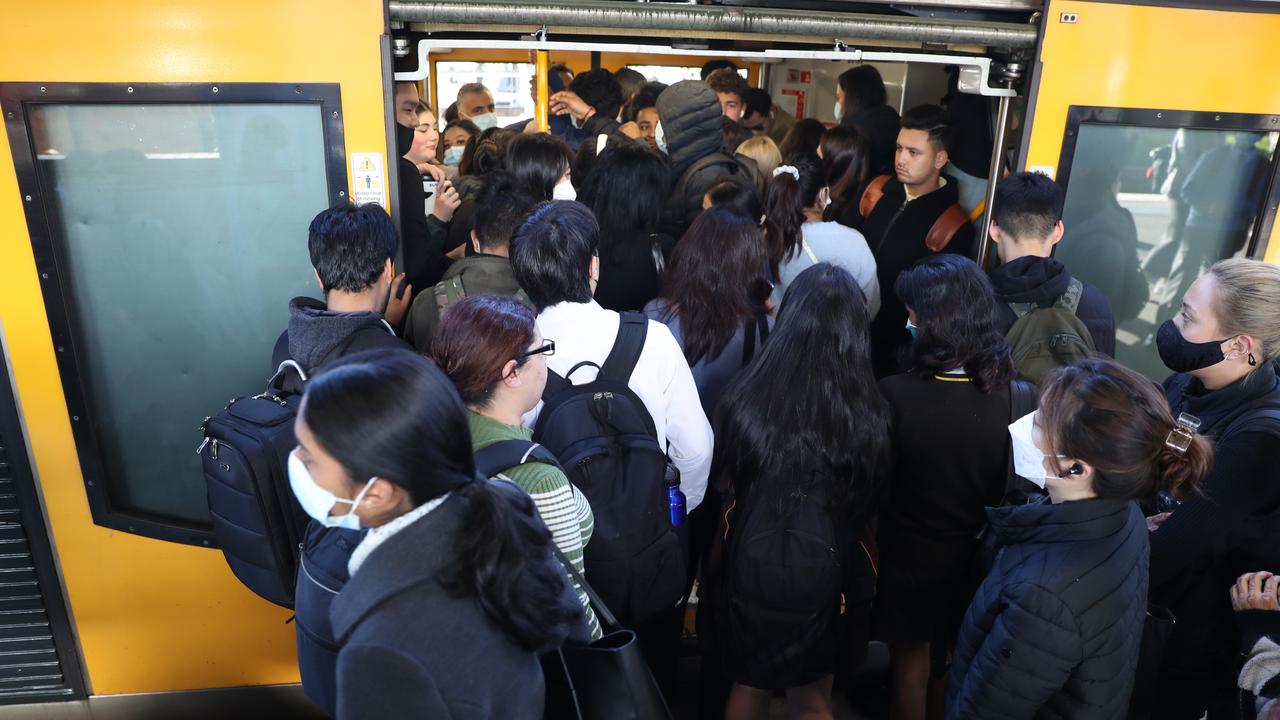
502	553
1180	473
784	214
1119	422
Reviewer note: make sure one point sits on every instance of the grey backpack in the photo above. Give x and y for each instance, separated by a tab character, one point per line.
1045	338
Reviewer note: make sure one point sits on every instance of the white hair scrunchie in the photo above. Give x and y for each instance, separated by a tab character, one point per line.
787	169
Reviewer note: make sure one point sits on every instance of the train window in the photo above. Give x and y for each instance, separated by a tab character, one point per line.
509	83
672	74
1148	209
180	232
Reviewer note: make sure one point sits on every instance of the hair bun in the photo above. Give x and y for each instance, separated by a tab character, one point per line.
1179	468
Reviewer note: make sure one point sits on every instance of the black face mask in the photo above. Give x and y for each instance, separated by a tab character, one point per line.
1181	355
404	139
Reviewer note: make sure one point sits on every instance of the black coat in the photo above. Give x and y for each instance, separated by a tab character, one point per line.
421	236
1054	630
879	124
411	649
1232	528
896	231
1032	279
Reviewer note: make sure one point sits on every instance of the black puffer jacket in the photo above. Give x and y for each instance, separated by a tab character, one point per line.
693	127
1054	630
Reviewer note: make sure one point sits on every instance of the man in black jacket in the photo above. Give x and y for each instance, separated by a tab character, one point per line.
352	249
1026	224
915	216
692	135
593	102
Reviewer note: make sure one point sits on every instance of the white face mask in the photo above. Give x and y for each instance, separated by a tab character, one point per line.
453	155
317	501
660	138
839	111
1028	460
485	121
564	191
826	200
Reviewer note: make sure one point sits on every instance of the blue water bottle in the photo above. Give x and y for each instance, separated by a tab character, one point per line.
675	496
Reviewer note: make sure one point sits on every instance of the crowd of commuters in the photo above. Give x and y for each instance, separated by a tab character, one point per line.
783	336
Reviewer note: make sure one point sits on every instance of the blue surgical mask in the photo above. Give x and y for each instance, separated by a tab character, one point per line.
911	328
660	138
485	121
317	501
453	155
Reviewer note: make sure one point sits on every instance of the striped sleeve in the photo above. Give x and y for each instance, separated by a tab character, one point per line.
566	514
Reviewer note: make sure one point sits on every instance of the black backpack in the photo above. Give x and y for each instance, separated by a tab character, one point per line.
604	438
256	519
783	574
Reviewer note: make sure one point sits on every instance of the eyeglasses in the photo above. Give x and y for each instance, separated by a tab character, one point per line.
548	349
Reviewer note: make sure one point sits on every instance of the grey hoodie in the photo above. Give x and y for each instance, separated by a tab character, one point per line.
317	336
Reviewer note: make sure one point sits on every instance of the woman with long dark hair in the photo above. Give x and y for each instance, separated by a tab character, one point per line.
626	189
490	347
1055	628
456	630
802	139
951	415
542	166
862	103
801	443
713	299
845	162
794	201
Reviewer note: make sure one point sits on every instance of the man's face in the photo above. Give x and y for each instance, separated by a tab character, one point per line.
476	103
917	160
731	105
406	100
647	119
755	122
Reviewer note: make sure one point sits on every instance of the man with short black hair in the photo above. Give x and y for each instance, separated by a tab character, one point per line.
593	101
730	88
475	103
1026	224
761	117
500	208
908	216
555	256
631	82
352	250
711	66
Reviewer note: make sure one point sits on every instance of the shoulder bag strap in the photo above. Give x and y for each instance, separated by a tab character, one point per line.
606	617
945	228
633	327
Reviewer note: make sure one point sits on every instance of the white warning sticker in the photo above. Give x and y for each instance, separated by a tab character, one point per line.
367	184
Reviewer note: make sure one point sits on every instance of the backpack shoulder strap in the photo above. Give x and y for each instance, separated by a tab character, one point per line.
447	293
871	196
506	454
633	327
945	228
1071	298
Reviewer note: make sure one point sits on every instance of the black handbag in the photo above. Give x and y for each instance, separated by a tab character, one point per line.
604	680
1156	629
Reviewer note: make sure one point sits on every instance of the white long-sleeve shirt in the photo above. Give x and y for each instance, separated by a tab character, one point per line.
661	379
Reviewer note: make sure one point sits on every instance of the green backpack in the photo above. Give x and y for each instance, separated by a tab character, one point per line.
1045	338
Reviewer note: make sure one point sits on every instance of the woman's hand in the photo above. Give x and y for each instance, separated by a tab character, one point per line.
447	201
1256	591
436	172
1154	521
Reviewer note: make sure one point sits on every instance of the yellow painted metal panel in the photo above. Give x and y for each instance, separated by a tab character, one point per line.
153	615
1151	57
